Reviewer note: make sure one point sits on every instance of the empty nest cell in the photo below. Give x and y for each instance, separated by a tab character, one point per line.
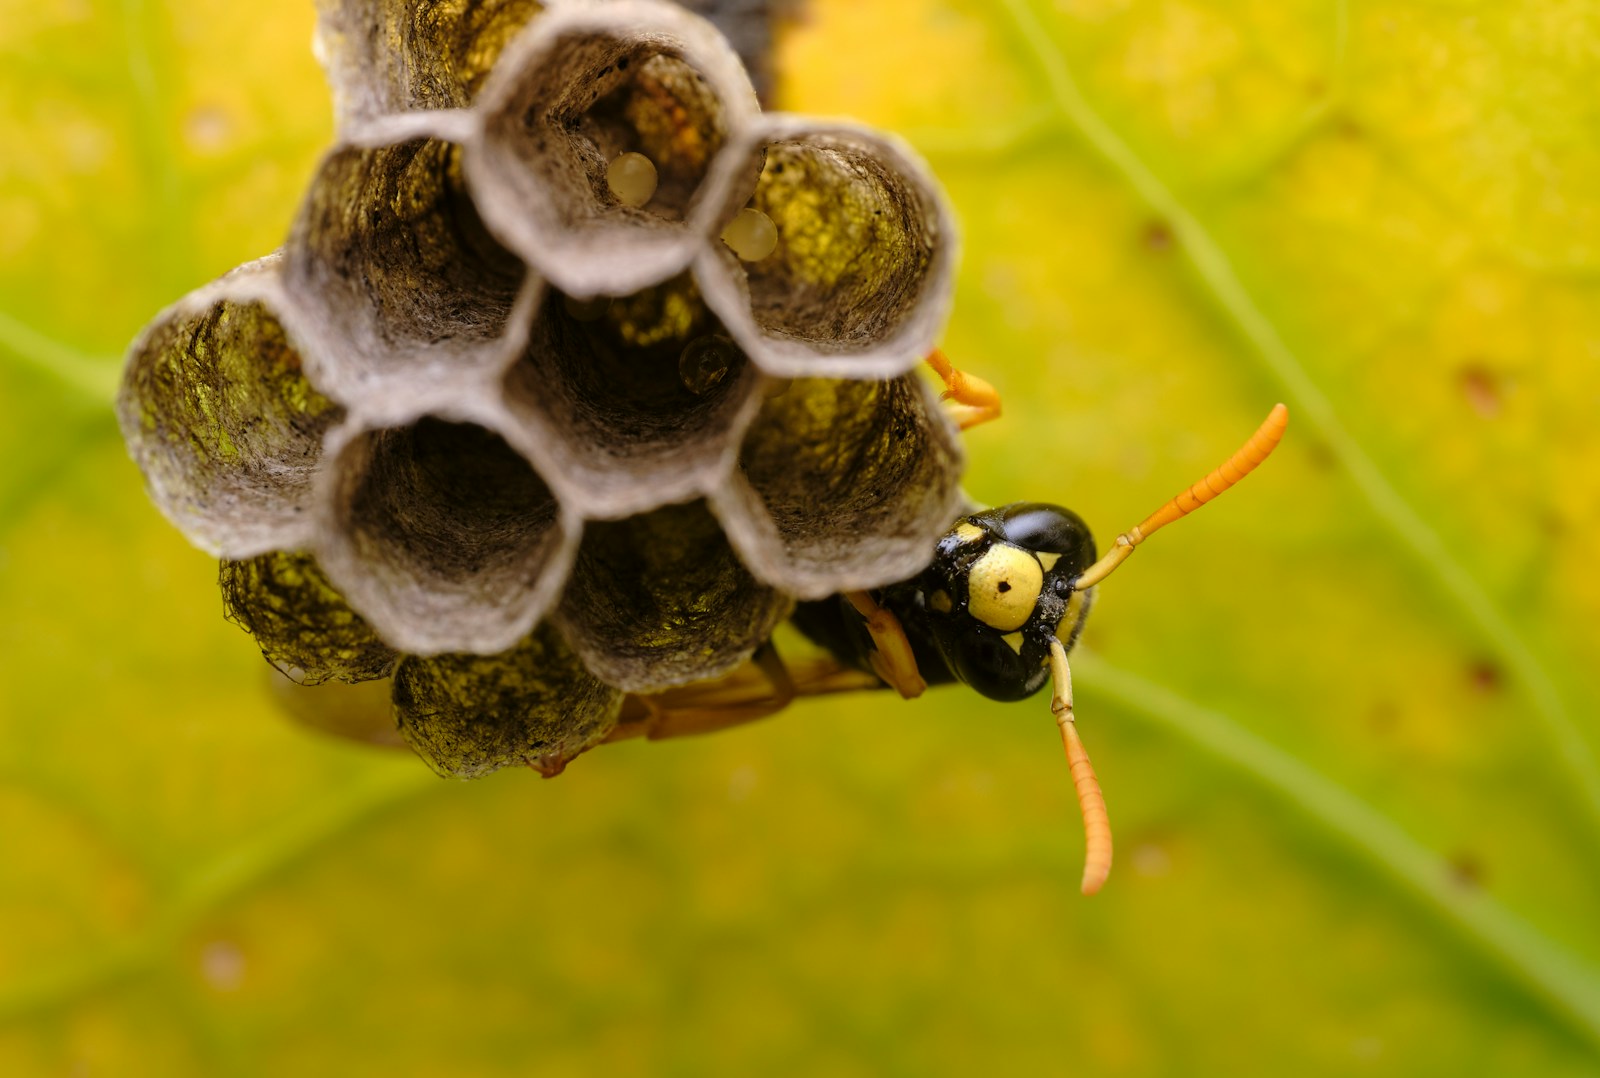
442	536
396	272
638	398
220	418
860	282
662	600
585	86
846	484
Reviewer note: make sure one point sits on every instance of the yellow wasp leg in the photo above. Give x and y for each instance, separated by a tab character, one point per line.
972	400
892	658
762	687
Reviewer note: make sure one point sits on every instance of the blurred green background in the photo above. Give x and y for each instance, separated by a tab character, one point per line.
1342	718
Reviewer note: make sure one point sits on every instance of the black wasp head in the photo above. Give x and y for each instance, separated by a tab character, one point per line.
1000	587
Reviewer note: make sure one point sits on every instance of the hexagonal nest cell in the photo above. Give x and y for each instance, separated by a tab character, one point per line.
843	482
638	399
662	600
396	274
443	536
510	438
859	283
386	56
584	86
221	419
534	706
303	626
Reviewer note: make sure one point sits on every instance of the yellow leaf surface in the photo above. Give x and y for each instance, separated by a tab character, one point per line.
1343	717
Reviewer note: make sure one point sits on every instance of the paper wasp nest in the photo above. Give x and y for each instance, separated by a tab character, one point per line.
491	431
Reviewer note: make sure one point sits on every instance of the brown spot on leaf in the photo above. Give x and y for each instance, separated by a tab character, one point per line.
1466	870
1483	388
1158	237
1485	676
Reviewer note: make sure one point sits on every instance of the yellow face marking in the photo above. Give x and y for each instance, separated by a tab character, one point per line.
940	601
968	533
1070	619
1003	587
1049	561
1015	640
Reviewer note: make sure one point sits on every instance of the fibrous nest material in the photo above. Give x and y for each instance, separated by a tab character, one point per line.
485	430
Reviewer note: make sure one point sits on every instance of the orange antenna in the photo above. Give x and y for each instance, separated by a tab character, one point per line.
1091	802
1235	468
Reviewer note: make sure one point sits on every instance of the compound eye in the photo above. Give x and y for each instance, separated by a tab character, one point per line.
1003	587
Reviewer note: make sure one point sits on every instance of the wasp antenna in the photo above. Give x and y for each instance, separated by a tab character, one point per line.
1243	461
1091	801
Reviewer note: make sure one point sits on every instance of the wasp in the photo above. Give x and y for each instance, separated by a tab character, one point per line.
999	605
998	608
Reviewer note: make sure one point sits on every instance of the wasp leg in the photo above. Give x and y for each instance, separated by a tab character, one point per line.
892	658
762	687
972	400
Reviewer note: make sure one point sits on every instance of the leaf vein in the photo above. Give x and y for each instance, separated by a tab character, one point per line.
1225	289
227	876
1558	978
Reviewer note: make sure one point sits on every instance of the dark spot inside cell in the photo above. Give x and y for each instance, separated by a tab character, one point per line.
622	64
1158	237
1004	586
1466	870
603	72
1483	388
1485	676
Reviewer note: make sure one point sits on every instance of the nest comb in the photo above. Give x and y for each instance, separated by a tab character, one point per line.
520	447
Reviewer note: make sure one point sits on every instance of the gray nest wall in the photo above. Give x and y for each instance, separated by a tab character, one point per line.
486	431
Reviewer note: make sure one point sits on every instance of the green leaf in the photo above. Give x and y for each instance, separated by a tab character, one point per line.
1342	718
